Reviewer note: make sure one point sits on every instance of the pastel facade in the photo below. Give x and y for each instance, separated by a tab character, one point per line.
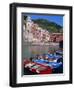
32	32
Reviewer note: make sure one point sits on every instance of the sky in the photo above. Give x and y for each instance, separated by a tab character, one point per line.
58	19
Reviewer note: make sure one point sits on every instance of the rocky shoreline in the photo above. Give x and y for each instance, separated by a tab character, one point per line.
35	43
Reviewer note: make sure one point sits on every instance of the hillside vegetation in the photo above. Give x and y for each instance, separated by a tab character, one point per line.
50	26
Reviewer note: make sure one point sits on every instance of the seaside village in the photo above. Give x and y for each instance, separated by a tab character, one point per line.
46	62
35	34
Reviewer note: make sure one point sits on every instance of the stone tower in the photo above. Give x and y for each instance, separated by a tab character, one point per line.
28	23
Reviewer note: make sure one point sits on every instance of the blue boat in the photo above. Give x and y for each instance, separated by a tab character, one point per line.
50	64
56	65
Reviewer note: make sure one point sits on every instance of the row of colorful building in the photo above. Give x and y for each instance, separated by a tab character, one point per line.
33	33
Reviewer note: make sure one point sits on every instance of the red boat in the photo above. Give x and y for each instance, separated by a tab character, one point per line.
37	68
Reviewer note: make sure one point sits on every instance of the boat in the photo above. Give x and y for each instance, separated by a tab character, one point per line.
44	66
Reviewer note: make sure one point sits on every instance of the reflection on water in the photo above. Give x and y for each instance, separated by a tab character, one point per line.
32	50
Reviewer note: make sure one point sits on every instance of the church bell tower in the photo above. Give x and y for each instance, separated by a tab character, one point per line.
28	23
